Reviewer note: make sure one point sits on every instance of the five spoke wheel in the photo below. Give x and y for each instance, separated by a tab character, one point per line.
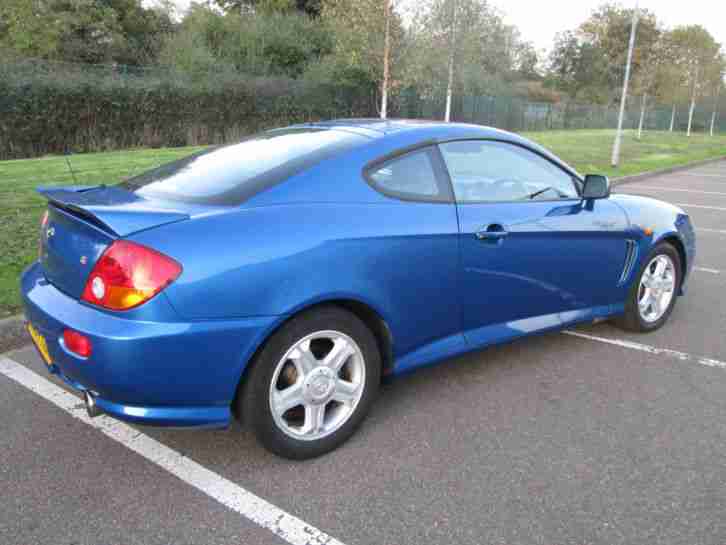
317	385
657	287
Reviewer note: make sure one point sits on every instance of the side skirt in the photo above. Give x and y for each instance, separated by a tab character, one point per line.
477	339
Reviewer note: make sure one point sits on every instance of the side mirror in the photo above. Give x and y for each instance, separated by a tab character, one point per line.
596	187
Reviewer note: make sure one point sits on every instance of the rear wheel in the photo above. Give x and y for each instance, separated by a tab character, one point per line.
653	295
312	383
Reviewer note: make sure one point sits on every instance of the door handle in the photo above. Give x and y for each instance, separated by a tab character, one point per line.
492	232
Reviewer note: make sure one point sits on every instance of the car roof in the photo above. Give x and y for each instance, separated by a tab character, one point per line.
423	130
375	127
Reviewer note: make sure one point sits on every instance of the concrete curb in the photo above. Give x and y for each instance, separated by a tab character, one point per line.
661	172
12	333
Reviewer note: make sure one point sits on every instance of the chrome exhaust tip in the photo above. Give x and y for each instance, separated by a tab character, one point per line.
91	407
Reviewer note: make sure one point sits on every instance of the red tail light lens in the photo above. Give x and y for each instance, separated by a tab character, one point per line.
127	275
77	343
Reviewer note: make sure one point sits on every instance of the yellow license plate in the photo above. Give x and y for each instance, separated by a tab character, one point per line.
40	344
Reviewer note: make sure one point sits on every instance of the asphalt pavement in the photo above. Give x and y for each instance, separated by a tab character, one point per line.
602	438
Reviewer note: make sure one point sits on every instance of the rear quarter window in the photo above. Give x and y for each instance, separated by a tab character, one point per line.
412	176
229	175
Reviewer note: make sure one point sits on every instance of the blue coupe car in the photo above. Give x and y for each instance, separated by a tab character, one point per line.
280	278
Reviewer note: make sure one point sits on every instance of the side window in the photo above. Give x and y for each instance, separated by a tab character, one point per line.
487	171
410	177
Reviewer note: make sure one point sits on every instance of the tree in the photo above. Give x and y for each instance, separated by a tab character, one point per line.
652	57
26	28
143	30
589	61
696	51
358	30
83	30
309	7
260	44
669	79
462	47
575	66
526	61
714	77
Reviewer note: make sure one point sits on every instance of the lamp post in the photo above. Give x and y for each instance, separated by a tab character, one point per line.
386	61
626	82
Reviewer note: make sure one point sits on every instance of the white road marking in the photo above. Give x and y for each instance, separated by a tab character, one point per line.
661	188
707	270
701	181
694	175
705	230
709	362
689	205
261	512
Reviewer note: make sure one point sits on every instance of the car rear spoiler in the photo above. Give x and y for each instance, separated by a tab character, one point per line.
113	209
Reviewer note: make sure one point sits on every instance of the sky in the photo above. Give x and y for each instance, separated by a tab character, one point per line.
540	20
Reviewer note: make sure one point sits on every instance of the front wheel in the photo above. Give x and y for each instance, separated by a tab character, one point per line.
312	384
653	295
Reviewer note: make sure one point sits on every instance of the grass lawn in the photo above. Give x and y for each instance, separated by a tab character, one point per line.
589	151
20	207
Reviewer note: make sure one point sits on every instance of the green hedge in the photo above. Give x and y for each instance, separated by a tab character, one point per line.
58	110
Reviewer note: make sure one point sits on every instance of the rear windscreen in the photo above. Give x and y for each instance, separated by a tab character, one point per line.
229	175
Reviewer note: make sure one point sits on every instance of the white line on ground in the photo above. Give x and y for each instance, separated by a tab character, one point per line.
689	205
707	270
261	512
661	188
702	181
650	349
704	230
694	175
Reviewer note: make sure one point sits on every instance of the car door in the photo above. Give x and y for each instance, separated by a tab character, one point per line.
533	255
415	238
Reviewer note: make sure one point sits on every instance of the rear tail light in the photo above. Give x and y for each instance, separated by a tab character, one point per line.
43	223
127	275
77	343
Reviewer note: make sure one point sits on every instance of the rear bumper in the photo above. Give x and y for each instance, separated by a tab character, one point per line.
161	373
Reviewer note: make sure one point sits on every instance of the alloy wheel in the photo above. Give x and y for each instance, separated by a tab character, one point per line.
317	385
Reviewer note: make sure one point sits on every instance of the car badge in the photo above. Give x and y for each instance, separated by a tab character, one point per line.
84	260
50	232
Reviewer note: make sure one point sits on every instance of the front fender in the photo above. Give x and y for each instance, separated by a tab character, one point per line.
654	221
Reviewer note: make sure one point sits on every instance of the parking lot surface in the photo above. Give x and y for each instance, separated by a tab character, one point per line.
600	437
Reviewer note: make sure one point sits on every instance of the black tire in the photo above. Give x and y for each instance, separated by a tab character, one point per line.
632	320
254	401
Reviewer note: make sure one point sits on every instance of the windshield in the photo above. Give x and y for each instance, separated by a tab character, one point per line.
231	174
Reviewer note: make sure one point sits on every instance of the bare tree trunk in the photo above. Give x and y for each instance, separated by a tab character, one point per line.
693	103
715	108
642	115
386	55
673	117
713	121
690	115
452	49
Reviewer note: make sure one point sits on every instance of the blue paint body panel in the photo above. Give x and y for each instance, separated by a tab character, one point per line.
163	371
325	235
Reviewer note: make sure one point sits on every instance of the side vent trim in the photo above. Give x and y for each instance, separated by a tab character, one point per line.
631	258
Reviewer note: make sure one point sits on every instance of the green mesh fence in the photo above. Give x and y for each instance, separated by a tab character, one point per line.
517	114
